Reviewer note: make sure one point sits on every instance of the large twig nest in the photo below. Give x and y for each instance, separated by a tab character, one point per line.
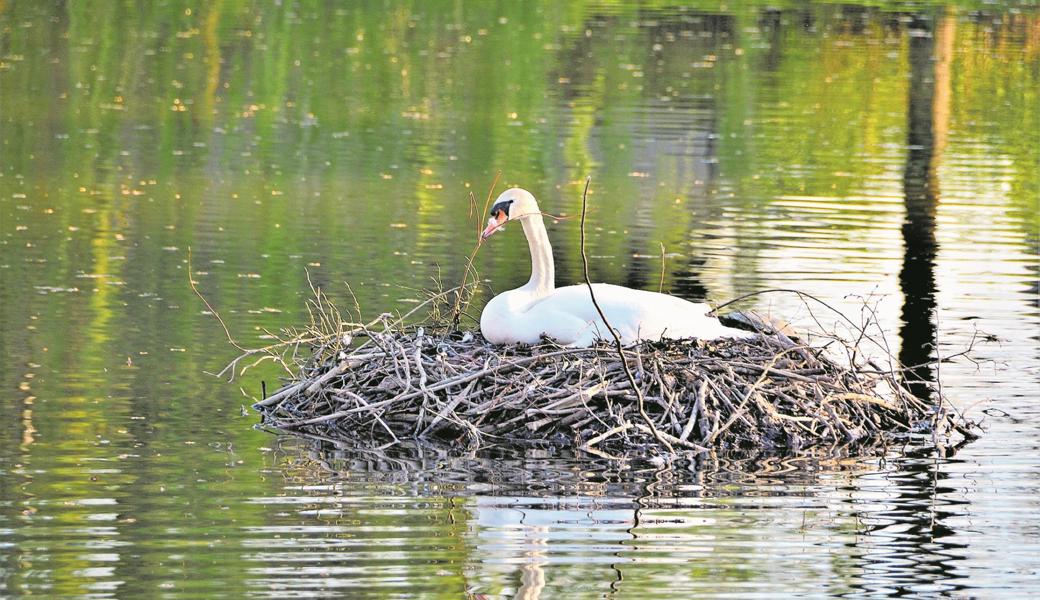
769	393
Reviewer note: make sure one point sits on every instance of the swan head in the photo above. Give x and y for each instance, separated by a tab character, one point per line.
514	203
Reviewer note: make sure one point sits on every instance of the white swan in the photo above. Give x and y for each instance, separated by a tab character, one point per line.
567	314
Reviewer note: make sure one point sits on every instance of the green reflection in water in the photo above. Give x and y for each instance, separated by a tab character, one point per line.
277	138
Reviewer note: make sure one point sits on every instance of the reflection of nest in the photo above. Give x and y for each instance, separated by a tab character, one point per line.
536	471
768	393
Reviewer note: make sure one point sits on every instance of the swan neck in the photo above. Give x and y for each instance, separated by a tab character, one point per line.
543	270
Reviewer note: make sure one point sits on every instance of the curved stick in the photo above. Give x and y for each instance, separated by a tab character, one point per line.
617	339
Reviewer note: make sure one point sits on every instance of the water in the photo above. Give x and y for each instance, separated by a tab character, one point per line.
884	152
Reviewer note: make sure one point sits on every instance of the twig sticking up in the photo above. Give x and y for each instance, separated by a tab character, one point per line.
460	302
901	371
213	311
660	284
617	339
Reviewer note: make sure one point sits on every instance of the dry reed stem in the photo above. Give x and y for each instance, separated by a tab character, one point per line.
460	300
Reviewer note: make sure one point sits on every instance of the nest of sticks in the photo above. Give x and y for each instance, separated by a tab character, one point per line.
383	382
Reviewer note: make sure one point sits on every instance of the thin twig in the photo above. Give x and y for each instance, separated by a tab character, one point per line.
617	339
660	284
460	305
213	311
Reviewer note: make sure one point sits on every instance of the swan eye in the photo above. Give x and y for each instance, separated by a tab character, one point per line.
501	210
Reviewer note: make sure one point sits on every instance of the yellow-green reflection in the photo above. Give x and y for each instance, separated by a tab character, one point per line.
761	144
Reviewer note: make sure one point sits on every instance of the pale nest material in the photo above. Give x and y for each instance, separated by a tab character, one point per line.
387	383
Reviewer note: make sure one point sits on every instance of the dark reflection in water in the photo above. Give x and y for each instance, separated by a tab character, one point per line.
532	520
914	546
917	276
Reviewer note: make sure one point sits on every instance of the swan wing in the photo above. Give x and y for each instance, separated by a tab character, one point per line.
635	314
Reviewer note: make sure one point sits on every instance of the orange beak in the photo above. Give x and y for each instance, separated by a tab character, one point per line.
494	224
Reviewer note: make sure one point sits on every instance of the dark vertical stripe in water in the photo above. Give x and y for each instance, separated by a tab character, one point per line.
921	512
917	277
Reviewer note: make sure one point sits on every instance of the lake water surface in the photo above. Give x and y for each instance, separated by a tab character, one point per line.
879	152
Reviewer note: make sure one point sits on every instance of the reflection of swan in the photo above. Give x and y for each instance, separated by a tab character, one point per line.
567	314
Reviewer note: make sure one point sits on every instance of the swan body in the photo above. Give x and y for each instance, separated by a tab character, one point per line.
567	314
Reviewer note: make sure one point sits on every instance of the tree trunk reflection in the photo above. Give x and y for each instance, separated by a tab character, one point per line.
930	57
